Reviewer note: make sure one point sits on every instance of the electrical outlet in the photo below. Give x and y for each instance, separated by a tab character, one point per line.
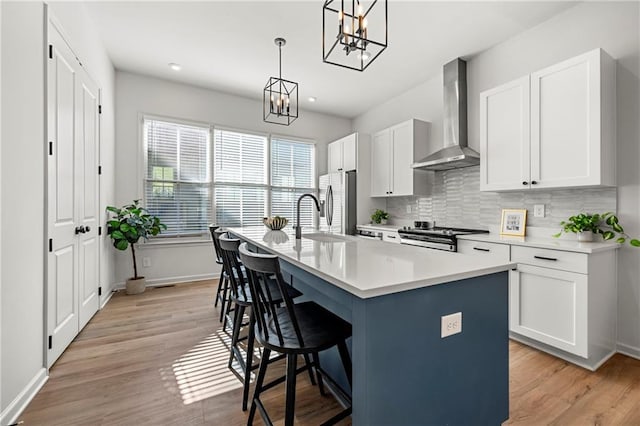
146	262
538	210
451	324
408	208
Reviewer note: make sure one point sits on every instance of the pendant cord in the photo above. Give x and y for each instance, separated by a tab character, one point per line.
280	61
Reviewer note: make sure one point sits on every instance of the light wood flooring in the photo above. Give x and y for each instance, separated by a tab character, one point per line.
160	358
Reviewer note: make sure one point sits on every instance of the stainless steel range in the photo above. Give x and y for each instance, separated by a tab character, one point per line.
436	237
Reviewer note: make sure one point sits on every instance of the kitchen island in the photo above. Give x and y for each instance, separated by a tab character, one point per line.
404	372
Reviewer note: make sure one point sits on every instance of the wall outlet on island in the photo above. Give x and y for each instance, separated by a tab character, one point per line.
451	324
146	262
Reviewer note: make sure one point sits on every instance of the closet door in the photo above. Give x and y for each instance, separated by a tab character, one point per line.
72	190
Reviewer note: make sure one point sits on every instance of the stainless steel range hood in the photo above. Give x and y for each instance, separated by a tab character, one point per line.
455	154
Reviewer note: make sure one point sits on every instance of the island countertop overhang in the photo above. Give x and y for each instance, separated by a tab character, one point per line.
369	268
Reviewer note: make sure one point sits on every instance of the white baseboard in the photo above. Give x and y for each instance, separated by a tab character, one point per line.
106	299
158	282
10	414
629	350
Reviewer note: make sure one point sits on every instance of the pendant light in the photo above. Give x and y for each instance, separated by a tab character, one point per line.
354	34
280	96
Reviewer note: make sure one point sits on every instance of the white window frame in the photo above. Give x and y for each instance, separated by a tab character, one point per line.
205	237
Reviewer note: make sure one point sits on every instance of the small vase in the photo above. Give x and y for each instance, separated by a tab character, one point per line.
585	236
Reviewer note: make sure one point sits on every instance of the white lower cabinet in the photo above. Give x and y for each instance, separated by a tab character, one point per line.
561	302
550	306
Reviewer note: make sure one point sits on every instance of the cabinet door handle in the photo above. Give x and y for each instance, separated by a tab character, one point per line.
533	182
482	249
545	258
525	183
391	236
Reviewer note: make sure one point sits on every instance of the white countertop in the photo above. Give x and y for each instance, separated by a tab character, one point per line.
368	268
542	242
376	227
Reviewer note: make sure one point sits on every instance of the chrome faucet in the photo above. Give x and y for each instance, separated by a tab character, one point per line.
298	228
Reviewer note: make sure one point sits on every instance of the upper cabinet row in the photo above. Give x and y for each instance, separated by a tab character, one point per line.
393	150
554	128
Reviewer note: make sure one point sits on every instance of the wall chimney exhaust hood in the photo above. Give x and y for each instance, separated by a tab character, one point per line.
455	154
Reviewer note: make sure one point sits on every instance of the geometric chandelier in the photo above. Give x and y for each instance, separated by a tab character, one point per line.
280	96
353	34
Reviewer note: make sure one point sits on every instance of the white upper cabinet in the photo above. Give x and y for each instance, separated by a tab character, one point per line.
393	151
504	136
552	129
343	154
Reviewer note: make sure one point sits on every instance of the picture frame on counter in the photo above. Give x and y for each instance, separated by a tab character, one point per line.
513	222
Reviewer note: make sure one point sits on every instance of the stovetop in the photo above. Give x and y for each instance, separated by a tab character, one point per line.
440	231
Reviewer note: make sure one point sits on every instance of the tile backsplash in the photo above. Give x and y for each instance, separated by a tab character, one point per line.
456	200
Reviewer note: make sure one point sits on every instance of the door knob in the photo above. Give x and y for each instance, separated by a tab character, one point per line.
525	183
87	229
80	230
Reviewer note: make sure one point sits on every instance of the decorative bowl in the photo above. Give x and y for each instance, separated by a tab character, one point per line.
276	237
275	223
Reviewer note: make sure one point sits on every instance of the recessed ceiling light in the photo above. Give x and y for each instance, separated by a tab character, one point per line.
174	66
312	99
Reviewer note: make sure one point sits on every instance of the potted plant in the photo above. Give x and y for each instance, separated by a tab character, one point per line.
379	217
126	227
606	224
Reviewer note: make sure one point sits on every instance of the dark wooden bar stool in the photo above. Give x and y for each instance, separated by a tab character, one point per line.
222	281
240	296
293	329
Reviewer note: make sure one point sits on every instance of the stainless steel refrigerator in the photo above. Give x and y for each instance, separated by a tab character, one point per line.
338	192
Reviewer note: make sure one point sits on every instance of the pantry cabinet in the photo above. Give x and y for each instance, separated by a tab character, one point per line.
554	128
393	150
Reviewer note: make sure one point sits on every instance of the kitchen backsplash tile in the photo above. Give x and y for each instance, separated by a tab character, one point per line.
456	200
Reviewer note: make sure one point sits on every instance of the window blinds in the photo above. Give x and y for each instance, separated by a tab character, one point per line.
177	185
240	178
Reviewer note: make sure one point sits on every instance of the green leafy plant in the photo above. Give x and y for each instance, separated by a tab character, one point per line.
605	224
379	215
130	223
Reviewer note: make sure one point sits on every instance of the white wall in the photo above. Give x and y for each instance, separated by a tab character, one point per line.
22	340
612	26
141	94
86	43
22	176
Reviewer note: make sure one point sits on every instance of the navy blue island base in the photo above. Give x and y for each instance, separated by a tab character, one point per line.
404	373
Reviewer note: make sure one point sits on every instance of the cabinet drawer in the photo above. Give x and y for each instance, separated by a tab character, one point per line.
499	251
556	259
391	237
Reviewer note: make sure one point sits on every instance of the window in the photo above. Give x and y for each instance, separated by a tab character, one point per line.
292	174
237	180
240	178
177	184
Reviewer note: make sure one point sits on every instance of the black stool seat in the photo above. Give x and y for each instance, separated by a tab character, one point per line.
319	329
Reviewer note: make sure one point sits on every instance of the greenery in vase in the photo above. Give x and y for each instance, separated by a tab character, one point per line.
379	215
130	223
605	224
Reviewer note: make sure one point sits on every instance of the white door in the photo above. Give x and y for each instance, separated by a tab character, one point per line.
62	271
504	137
550	306
88	200
401	171
350	152
334	157
565	123
73	206
380	163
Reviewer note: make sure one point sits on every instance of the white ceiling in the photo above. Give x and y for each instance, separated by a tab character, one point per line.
228	46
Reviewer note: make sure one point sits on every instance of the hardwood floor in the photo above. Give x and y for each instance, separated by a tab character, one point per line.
160	358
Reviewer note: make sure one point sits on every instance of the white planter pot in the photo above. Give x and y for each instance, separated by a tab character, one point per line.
585	236
136	286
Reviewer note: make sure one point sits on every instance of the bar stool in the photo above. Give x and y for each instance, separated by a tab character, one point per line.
222	281
293	329
241	298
